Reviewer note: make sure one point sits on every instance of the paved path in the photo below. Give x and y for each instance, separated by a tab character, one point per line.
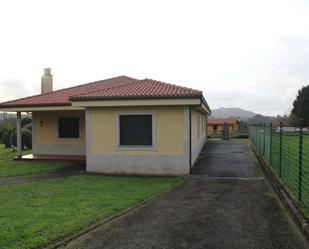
71	170
231	208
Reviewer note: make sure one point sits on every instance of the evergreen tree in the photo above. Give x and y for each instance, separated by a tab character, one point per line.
301	105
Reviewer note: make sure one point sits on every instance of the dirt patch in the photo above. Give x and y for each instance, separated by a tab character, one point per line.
70	170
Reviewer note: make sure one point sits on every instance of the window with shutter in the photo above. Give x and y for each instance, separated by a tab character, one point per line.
68	128
135	130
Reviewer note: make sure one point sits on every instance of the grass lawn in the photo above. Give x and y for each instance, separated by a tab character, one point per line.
8	167
34	214
289	168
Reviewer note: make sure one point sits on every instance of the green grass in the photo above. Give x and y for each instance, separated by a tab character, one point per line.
288	173
8	167
34	214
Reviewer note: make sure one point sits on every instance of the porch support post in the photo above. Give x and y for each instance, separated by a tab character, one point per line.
18	132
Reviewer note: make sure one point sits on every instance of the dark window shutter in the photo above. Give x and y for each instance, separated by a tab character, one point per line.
135	129
68	127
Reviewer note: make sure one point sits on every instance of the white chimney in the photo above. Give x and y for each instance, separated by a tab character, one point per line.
47	81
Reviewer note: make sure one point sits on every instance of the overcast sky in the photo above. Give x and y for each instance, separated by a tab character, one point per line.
248	54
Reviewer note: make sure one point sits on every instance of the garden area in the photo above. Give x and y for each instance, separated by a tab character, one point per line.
37	213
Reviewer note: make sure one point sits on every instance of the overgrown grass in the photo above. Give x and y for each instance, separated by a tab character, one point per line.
34	214
8	167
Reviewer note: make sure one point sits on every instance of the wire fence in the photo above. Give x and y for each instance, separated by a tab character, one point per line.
286	152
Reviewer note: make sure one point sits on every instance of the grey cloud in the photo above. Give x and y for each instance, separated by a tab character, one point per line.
14	88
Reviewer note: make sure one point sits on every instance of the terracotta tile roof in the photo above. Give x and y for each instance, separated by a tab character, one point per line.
61	97
146	88
114	88
221	121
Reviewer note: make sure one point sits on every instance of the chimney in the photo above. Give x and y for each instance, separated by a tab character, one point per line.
46	81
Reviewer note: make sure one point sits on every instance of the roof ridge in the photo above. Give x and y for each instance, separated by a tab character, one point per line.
72	87
111	87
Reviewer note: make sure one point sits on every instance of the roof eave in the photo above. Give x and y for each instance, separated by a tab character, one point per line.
34	105
39	107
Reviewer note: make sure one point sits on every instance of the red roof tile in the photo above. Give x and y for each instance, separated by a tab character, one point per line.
146	88
61	97
221	121
121	87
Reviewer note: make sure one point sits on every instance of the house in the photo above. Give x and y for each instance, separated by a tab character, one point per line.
119	125
215	126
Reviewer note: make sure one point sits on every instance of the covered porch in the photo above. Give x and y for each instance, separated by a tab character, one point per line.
57	135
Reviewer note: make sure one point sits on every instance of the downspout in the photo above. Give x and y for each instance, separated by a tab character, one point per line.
190	146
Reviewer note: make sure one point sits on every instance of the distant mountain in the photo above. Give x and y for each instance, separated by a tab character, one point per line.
234	112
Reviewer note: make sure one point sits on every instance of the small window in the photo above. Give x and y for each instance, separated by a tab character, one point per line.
135	130
68	127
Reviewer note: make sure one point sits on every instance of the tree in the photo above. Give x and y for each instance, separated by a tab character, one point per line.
25	121
301	105
293	120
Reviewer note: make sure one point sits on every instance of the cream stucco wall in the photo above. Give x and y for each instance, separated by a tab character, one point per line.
168	156
198	138
45	134
169	125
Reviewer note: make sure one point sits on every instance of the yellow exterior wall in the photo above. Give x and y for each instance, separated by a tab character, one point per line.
169	125
194	126
194	139
47	133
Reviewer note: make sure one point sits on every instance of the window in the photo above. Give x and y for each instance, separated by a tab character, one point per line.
68	127
135	130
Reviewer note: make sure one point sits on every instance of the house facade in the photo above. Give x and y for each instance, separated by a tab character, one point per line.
120	125
215	126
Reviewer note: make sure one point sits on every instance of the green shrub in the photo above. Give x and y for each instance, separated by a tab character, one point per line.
25	121
6	135
26	138
13	138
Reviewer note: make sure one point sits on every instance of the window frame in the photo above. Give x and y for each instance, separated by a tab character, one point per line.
136	147
69	138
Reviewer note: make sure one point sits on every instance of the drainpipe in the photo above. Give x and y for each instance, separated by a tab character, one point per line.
18	133
190	139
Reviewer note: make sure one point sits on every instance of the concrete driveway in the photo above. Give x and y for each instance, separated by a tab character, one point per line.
226	204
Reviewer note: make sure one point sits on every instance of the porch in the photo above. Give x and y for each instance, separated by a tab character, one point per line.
57	135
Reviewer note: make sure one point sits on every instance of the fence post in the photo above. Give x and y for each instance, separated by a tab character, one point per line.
280	150
261	151
264	135
270	143
300	162
256	136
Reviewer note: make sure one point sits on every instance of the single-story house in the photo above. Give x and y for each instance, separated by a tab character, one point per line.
215	126
119	125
